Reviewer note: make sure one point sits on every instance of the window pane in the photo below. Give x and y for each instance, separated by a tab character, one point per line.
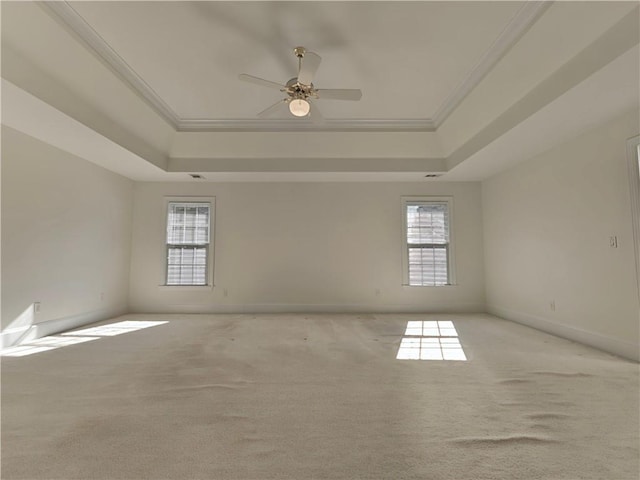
200	256
174	234
186	275
188	223
174	256
428	265
201	234
173	275
187	256
187	265
199	275
428	223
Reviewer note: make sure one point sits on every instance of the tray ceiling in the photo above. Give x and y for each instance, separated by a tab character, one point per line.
410	60
450	88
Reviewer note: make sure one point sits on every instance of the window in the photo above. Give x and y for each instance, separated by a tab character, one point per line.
427	241
188	241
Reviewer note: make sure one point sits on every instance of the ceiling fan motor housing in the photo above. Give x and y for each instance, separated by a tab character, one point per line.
296	89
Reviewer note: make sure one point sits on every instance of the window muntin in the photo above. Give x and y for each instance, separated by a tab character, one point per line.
427	242
188	241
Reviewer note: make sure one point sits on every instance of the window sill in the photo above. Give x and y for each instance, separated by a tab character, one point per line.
185	288
430	286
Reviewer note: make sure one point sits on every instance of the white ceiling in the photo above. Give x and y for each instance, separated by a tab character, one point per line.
406	59
159	80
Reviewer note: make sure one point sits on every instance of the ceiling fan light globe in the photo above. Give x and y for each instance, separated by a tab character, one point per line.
299	107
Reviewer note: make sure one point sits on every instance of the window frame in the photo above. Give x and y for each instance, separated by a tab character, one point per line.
426	200
209	265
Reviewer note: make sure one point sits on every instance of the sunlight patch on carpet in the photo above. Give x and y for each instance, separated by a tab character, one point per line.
45	344
113	329
430	340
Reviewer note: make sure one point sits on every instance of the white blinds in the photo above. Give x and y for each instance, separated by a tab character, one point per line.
188	223
428	243
188	235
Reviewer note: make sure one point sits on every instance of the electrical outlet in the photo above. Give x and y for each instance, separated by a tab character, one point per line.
377	292
36	307
225	293
552	305
102	296
613	241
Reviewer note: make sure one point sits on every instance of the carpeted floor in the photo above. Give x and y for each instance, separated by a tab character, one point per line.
318	397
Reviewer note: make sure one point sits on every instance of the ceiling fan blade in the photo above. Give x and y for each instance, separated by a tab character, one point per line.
339	94
308	67
273	108
314	114
260	81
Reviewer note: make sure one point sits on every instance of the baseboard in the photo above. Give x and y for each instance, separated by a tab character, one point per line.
50	327
615	346
310	308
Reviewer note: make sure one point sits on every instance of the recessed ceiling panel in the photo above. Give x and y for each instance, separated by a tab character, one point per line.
406	57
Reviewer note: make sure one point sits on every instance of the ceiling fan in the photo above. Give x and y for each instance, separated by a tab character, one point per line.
300	90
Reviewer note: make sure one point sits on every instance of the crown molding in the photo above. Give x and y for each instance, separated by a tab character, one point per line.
524	18
78	26
305	125
63	12
425	165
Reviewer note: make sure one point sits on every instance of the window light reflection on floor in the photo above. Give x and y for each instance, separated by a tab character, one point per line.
113	329
45	344
23	350
430	340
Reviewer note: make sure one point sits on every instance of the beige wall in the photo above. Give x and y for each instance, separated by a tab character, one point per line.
305	247
542	229
66	234
547	225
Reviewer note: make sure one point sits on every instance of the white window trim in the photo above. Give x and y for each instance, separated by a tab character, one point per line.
211	250
405	254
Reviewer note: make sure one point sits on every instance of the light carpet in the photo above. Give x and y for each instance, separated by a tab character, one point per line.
318	397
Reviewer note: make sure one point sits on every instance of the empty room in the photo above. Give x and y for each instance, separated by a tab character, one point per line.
320	240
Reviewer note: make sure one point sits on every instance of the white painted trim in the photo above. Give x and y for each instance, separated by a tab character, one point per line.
211	250
78	26
302	125
308	165
633	163
405	261
629	350
526	16
185	288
